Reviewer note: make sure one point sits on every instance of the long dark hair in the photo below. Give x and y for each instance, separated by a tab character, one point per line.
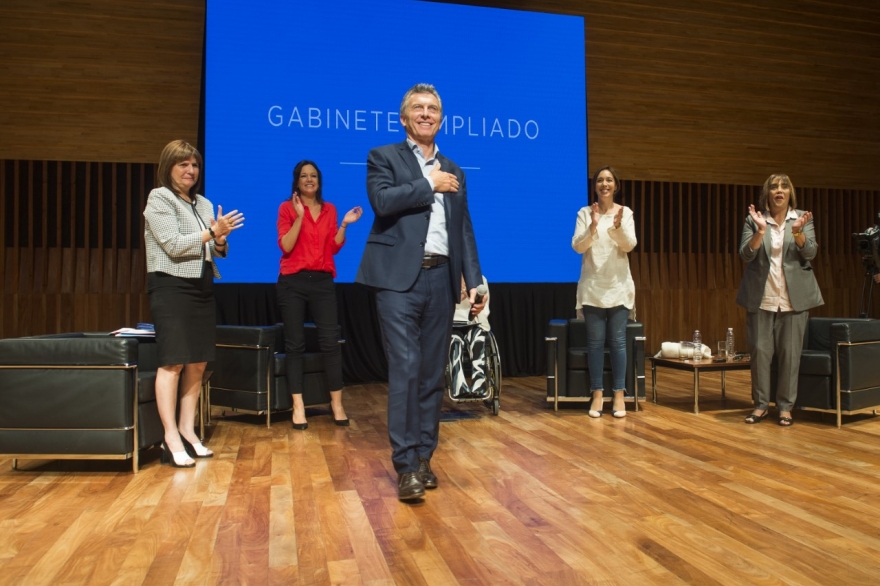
596	176
298	169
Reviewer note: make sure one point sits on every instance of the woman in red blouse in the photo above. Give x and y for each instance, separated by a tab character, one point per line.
308	237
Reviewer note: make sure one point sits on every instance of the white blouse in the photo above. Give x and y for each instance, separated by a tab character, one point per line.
606	280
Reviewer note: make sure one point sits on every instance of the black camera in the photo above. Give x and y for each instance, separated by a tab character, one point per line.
868	245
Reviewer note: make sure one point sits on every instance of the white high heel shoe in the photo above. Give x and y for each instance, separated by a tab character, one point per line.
595	413
196	450
619	413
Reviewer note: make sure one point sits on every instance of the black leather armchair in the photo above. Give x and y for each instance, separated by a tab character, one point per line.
78	396
840	366
250	374
568	374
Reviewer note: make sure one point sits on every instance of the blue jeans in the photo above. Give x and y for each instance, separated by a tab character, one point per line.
607	323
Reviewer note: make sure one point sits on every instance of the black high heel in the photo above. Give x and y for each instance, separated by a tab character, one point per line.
169	457
342	422
192	452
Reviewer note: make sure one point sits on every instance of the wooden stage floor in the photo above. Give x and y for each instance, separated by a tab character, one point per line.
662	496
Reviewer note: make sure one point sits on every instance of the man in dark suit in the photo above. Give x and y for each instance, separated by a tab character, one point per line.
421	244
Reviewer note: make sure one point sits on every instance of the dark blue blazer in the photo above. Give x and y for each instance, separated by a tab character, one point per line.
401	199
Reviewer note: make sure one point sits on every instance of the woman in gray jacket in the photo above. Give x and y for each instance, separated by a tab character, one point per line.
778	288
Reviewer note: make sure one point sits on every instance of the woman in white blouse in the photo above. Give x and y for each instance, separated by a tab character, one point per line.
604	234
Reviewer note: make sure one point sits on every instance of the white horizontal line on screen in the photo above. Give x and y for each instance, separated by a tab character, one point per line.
362	164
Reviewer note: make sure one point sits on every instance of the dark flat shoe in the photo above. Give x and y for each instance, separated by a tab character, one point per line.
785	421
757	418
342	422
300	426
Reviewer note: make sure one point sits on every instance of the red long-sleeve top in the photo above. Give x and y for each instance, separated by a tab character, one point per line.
316	243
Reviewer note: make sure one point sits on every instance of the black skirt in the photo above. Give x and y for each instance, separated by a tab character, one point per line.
184	316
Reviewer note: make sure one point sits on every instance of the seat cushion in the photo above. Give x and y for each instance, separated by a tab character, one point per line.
577	359
815	363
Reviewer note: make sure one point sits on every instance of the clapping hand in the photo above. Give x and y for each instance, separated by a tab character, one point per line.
224	224
798	225
758	218
297	205
618	217
595	216
352	215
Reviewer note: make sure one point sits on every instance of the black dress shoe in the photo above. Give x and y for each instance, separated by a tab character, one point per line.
426	475
409	486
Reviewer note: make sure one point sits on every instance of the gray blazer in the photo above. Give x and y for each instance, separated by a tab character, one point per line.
803	290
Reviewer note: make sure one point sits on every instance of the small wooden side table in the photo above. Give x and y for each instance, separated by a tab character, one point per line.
705	365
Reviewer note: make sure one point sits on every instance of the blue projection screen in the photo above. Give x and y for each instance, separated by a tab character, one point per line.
288	81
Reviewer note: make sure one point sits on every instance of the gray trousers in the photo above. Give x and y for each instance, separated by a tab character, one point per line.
782	334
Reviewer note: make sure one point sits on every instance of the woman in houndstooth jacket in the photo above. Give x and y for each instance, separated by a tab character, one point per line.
182	239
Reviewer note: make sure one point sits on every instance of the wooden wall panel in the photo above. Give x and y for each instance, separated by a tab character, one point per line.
693	103
686	265
79	263
98	80
687	268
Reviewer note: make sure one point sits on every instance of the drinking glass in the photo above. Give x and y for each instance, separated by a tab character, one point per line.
722	349
685	350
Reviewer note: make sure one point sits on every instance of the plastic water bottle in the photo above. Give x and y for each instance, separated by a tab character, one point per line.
698	346
731	345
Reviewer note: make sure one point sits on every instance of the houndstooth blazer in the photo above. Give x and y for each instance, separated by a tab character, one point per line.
173	236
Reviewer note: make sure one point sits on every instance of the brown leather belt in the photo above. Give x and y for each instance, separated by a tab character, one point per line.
434	260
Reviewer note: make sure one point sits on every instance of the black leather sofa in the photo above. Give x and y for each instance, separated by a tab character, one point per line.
840	366
78	396
250	374
568	373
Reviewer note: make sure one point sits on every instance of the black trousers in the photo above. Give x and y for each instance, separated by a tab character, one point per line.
316	291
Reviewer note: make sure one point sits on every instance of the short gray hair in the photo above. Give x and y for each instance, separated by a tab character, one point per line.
420	88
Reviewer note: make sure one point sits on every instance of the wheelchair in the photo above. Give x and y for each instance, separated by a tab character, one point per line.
492	396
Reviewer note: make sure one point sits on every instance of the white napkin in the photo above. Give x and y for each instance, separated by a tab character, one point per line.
673	350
